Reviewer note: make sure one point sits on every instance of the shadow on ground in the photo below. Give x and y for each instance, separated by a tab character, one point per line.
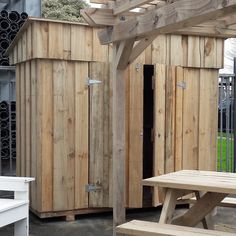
101	224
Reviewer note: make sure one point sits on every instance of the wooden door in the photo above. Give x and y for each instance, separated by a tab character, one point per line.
100	135
134	132
185	120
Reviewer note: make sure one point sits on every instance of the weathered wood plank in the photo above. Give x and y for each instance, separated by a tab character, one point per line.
135	164
56	39
46	132
33	137
208	119
159	127
60	178
99	52
40	39
193	52
27	120
179	119
81	135
22	119
69	126
163	20
81	49
190	119
118	105
99	128
67	42
139	228
170	119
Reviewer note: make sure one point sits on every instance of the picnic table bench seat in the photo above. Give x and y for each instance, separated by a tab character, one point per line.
144	228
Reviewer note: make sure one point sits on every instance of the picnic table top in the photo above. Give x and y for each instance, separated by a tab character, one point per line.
195	180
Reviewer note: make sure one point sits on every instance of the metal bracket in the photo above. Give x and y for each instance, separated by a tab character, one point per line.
182	85
93	188
92	82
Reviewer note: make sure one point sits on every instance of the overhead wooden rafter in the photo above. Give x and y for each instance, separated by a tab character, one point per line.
132	25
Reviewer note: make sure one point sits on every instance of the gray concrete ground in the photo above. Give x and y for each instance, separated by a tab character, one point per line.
101	224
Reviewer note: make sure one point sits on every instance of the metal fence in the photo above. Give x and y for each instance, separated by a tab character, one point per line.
226	159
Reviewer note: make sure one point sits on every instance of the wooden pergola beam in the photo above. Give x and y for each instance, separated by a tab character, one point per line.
101	17
126	5
169	18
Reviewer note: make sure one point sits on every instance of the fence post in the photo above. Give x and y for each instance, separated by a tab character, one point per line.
234	114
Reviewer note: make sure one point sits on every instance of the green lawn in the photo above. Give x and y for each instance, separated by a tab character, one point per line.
222	165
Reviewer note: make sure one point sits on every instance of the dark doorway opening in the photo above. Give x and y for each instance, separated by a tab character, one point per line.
148	123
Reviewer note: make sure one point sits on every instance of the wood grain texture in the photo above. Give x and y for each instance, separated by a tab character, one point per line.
81	135
140	228
190	119
195	180
208	108
33	137
27	120
46	120
48	39
99	128
22	120
170	107
159	127
60	177
179	119
135	164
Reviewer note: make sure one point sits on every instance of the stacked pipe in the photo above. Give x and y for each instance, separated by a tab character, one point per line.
13	129
4	132
8	130
10	24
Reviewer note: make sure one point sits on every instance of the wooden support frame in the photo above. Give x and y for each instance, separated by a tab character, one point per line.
123	29
168	19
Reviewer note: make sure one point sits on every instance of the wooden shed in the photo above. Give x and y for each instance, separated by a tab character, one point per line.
64	114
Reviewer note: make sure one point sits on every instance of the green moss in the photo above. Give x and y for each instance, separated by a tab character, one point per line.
68	10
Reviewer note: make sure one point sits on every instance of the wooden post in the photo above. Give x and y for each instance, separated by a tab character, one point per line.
118	113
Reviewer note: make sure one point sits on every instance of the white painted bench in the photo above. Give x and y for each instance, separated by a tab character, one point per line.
15	210
144	228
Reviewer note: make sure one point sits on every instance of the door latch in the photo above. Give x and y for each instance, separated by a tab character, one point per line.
92	82
182	85
93	188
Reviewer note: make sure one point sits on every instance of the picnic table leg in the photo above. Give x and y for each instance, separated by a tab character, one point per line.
21	228
169	206
200	209
204	221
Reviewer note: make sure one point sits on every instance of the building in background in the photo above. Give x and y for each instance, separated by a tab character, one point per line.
230	53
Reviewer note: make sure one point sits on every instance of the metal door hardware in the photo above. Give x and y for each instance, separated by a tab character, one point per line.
182	85
93	188
92	82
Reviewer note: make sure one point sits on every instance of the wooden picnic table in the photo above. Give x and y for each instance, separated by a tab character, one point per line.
209	187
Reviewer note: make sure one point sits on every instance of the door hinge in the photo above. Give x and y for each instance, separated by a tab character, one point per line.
182	85
92	82
93	188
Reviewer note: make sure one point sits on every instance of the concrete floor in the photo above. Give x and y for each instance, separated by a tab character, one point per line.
101	224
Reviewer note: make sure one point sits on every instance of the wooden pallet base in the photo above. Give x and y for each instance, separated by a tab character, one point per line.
69	215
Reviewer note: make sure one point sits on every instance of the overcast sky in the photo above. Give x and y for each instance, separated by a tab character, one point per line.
93	5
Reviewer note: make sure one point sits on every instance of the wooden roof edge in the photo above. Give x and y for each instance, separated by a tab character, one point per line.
30	20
